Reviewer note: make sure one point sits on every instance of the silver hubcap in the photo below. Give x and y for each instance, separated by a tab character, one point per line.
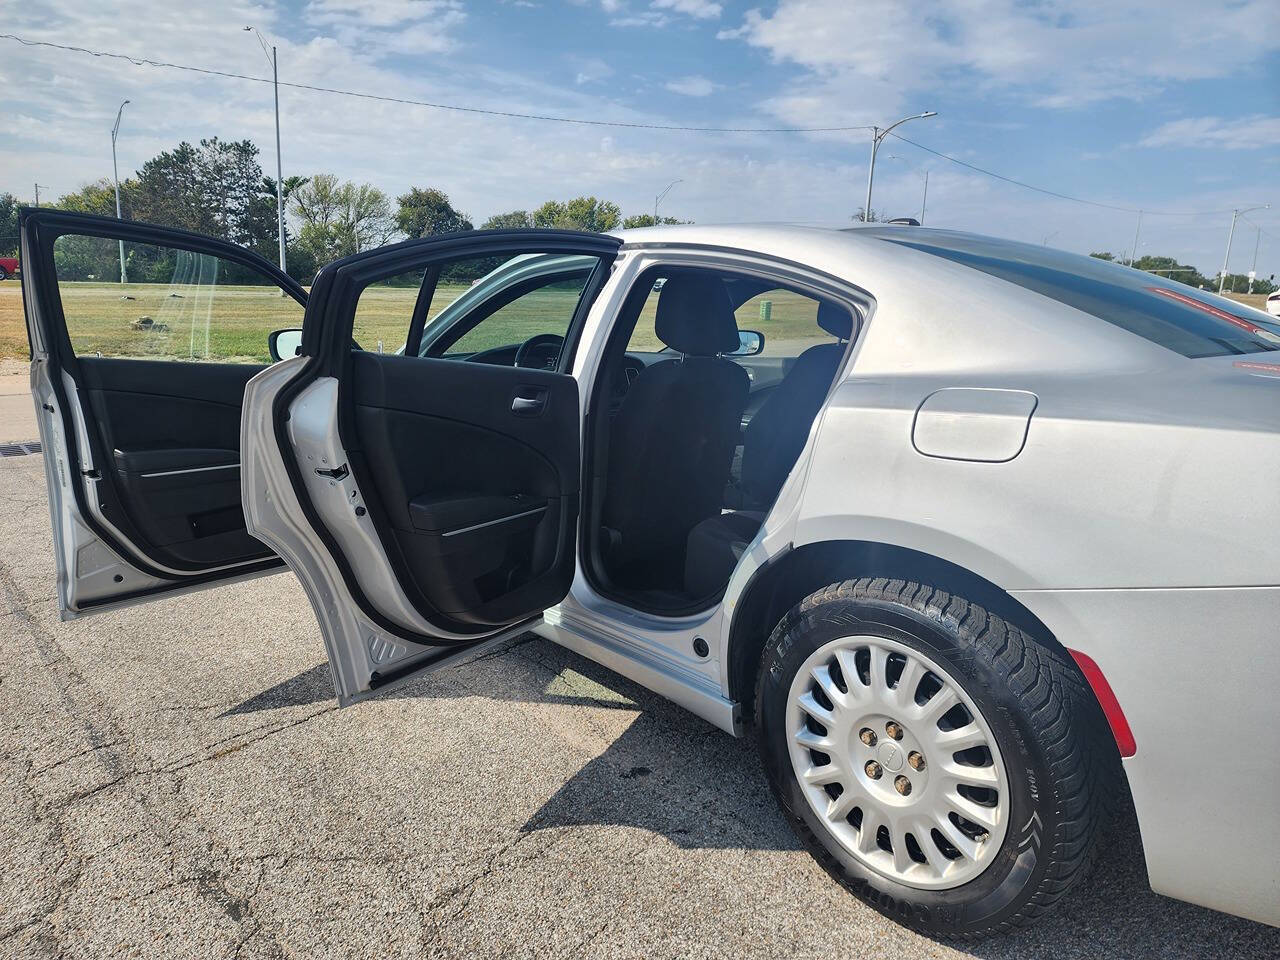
895	758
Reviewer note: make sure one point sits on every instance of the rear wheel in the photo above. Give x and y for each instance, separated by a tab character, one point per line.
4	274
942	764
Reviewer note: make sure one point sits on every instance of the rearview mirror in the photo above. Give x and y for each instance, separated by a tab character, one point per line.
750	343
283	344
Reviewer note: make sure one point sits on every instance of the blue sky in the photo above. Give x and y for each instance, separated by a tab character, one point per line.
1168	106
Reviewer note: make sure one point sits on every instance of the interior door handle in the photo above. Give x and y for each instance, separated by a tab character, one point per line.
529	406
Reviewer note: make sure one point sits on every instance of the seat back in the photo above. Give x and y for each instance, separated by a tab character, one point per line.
672	441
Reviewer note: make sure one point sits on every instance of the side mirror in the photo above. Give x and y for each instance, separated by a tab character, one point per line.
283	344
750	343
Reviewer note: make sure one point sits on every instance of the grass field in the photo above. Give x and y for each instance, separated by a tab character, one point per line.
233	324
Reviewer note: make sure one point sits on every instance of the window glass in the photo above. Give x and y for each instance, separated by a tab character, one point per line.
175	305
489	303
384	312
1180	318
788	320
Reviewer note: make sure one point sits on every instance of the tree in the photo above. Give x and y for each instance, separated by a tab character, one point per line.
580	213
339	219
514	220
99	198
8	225
862	217
1108	255
427	212
646	220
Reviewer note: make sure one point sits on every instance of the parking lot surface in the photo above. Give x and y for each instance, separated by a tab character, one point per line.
177	781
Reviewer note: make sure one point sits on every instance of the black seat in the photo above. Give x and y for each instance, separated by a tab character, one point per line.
771	443
673	438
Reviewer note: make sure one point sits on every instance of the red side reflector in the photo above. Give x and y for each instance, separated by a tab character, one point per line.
1107	700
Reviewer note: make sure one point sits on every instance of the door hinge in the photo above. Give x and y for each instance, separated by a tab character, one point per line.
337	473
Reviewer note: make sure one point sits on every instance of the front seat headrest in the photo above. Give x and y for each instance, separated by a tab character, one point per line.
835	319
695	315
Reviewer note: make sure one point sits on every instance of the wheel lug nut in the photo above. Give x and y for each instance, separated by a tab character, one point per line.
916	759
867	736
873	770
903	785
893	730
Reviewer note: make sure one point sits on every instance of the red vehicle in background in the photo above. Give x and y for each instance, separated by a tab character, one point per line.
8	267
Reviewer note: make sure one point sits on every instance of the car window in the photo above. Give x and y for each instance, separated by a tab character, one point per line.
173	304
490	303
788	320
384	312
1172	315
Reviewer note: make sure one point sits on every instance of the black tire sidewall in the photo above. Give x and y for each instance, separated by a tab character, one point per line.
1007	883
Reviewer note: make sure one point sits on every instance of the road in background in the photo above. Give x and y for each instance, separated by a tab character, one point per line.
176	781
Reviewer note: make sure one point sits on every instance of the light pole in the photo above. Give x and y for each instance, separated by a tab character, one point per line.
37	186
924	200
660	197
115	175
1133	255
275	83
1235	215
1253	270
878	135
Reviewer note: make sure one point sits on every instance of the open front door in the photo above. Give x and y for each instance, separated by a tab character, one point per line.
417	464
142	341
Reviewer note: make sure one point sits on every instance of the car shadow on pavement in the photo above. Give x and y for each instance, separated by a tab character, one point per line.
673	774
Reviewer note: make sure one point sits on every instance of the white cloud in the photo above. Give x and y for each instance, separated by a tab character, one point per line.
701	9
591	70
390	26
692	86
1055	53
1244	133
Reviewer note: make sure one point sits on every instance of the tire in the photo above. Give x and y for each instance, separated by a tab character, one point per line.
4	274
1045	737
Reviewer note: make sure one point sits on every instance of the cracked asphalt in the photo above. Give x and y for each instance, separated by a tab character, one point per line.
176	781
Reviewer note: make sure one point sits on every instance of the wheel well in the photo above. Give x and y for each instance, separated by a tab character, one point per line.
778	587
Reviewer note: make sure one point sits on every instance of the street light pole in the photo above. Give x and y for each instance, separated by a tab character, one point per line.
1235	215
659	198
1253	270
275	84
1133	255
877	136
925	199
115	175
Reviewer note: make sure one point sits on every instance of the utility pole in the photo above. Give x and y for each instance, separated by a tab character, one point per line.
1133	256
877	136
659	198
1235	215
1253	271
37	186
275	84
115	175
924	201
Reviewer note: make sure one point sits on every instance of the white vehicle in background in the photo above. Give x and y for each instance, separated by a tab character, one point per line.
1273	304
985	539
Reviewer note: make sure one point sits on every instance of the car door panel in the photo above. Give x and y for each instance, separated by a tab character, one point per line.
171	433
477	563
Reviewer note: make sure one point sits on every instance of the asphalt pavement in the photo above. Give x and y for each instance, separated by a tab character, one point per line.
177	781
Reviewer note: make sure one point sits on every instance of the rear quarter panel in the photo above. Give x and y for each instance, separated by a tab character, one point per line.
1137	522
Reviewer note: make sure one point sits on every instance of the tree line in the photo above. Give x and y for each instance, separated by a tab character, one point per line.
218	188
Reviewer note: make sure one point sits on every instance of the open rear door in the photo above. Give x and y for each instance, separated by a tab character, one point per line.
417	465
142	341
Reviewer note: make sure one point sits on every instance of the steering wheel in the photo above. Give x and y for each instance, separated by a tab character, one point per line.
541	351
